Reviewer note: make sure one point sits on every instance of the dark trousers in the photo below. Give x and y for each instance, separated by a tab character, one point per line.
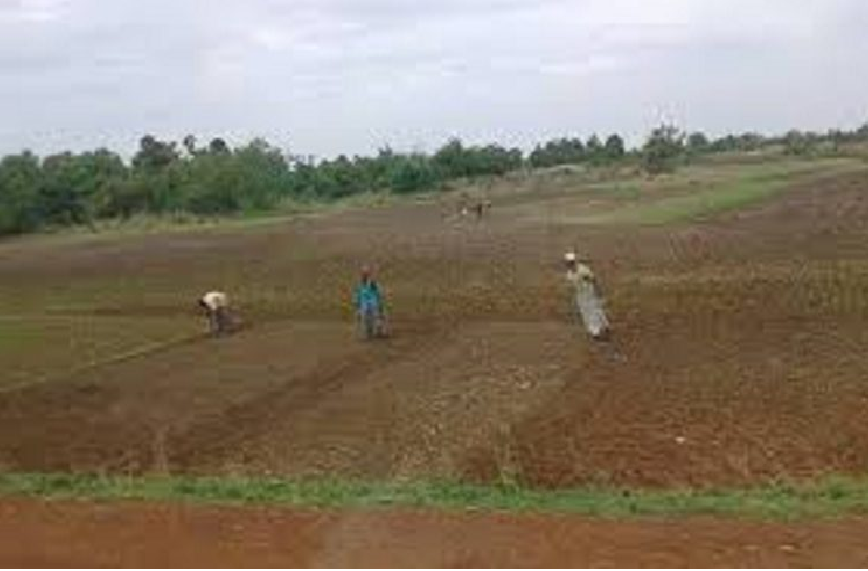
370	321
218	321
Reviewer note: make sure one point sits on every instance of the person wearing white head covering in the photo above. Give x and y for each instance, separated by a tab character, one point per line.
216	306
587	296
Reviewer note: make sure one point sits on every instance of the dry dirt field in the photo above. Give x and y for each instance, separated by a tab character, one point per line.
743	334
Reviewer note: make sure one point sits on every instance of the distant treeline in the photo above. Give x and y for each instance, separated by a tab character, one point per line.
167	177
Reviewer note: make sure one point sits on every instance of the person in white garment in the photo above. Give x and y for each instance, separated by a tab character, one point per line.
587	296
216	307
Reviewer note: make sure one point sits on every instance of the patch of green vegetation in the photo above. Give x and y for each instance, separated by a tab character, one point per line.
729	197
830	497
720	196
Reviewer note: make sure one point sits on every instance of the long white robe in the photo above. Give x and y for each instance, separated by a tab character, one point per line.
588	303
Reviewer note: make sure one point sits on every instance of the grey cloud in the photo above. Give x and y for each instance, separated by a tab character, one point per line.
332	76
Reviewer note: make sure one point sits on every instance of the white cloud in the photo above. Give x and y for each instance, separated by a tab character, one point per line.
23	12
333	76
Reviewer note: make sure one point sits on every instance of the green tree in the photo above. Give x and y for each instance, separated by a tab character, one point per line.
538	157
452	160
563	151
797	143
68	188
594	150
663	149
614	148
218	146
20	183
724	144
154	182
835	137
413	174
189	143
107	178
250	178
697	142
748	142
154	154
338	179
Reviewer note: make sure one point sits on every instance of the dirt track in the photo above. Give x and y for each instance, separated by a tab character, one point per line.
743	339
79	534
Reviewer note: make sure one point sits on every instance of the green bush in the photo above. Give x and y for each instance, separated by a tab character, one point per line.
413	174
663	149
163	177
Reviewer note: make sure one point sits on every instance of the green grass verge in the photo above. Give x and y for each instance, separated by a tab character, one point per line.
830	497
721	196
729	197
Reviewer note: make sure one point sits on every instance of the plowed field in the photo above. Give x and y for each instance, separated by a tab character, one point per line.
742	334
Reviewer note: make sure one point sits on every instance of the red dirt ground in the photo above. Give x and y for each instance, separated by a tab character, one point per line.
743	339
80	534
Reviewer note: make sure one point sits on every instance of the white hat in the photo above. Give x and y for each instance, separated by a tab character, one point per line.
570	257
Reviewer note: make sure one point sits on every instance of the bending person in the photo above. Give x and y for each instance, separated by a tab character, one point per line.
216	307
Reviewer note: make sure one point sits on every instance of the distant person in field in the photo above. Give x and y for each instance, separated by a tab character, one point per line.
587	295
483	207
479	208
215	304
463	205
369	303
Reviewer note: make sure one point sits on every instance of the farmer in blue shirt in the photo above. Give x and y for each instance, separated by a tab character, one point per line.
369	305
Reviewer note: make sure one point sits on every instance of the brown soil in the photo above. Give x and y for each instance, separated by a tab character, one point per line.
742	339
64	534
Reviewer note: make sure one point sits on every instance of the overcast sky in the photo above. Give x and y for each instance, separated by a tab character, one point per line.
346	76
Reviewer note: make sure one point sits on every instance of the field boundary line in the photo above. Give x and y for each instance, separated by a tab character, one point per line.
142	351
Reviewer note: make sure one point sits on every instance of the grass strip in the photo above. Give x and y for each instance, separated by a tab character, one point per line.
689	207
720	197
829	497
